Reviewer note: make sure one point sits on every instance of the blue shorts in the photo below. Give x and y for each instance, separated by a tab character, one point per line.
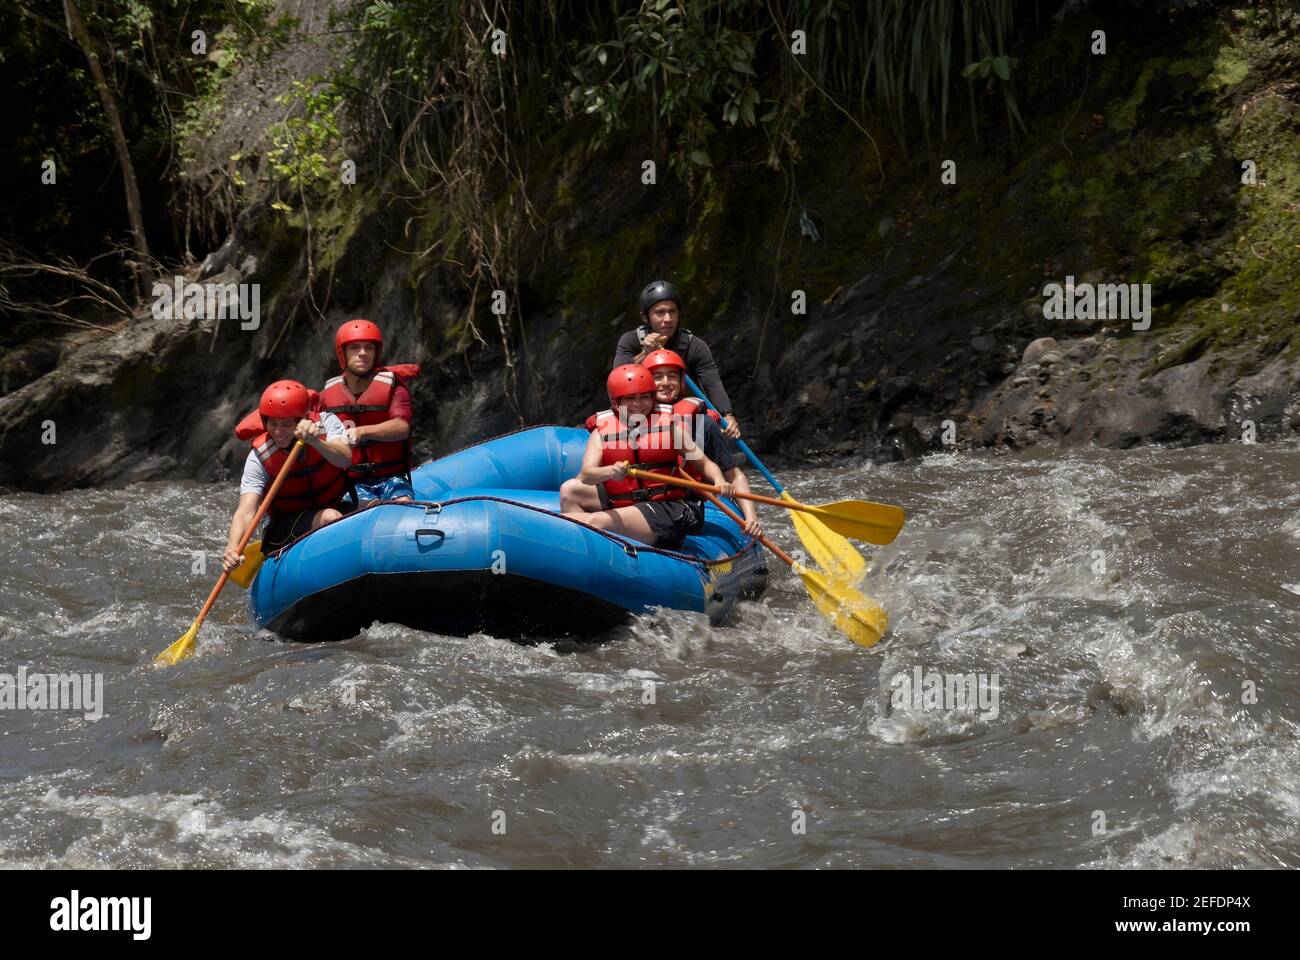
387	488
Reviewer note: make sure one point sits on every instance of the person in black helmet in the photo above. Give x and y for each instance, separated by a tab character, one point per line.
660	330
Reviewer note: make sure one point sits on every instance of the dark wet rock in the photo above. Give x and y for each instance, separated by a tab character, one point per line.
816	394
1102	398
33	359
893	391
898	445
900	421
1083	350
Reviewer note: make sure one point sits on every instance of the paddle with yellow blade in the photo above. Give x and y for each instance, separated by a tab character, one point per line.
877	523
855	614
243	574
183	647
832	552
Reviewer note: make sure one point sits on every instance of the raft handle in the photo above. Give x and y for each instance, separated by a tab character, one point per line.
429	532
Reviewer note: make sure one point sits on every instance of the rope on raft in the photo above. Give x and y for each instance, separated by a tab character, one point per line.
629	546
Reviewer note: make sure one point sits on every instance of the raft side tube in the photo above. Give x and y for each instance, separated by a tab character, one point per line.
540	458
500	538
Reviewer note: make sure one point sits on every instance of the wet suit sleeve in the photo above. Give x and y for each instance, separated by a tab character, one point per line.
629	345
704	371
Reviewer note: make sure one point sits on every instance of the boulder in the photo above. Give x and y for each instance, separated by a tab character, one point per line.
1038	348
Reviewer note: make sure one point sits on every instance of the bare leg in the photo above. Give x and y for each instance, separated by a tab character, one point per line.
324	517
577	496
625	521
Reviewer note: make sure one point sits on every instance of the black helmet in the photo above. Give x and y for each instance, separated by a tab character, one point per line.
657	290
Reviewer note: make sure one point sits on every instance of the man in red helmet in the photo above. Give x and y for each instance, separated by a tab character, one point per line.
635	432
374	403
667	368
311	495
660	329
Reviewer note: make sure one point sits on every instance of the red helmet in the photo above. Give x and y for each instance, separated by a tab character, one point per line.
663	358
357	331
629	380
285	398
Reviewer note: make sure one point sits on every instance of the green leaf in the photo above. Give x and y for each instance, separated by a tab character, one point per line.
1002	67
601	55
700	158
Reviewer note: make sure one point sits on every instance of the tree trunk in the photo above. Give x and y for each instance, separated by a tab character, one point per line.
78	31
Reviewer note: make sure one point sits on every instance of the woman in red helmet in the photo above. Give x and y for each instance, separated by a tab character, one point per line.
311	494
668	368
637	432
374	403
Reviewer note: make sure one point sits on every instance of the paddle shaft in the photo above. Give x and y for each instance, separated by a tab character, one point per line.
741	521
744	447
262	509
710	488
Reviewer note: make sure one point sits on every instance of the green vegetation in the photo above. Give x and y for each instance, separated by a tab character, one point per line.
493	133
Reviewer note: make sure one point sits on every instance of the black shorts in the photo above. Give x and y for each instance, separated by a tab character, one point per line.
672	520
283	527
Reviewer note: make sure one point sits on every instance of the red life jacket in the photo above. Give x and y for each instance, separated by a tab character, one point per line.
372	459
689	406
650	449
313	484
686	409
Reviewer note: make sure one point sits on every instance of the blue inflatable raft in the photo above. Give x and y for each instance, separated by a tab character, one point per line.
483	549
